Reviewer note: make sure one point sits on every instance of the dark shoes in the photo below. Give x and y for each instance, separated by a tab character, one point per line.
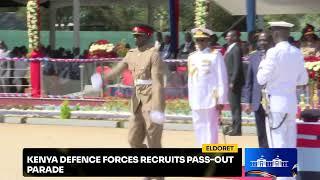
153	178
228	131
233	133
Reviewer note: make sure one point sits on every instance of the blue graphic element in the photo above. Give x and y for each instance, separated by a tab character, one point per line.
280	162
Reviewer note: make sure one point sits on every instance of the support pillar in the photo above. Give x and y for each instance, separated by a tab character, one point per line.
251	15
174	24
76	23
53	20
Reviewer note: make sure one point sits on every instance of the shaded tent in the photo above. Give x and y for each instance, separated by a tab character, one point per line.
10	21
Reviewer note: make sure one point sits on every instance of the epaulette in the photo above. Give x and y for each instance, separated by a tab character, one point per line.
131	50
252	52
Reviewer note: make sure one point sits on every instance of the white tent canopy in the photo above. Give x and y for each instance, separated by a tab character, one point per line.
238	7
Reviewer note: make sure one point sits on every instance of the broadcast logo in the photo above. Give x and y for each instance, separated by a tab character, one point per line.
271	162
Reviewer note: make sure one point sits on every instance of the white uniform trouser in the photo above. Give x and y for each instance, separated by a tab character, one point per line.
206	125
283	137
286	135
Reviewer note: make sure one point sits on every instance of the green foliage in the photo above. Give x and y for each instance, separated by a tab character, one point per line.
118	16
77	107
312	19
299	20
220	20
65	110
178	106
117	105
291	18
187	15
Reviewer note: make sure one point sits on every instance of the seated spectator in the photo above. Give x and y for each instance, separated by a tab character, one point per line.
20	73
186	48
215	45
4	65
175	83
309	41
166	50
245	49
159	40
252	41
85	54
4	52
182	70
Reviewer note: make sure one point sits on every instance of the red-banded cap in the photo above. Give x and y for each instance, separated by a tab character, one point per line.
142	30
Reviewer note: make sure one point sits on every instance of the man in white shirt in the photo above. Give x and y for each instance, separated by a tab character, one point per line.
208	87
281	72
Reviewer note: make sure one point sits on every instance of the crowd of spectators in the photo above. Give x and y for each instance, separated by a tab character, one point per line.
176	78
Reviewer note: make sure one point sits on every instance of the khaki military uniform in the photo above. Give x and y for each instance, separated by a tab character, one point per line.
148	94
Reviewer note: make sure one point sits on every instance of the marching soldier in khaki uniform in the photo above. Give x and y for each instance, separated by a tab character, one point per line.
147	103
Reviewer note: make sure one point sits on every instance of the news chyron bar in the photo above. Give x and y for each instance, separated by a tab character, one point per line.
212	160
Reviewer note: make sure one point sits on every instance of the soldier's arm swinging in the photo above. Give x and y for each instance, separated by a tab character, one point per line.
157	72
116	71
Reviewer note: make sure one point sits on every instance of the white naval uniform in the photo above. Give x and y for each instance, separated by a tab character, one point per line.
282	71
208	86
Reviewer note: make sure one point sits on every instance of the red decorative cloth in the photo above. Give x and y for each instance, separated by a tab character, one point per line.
127	78
35	74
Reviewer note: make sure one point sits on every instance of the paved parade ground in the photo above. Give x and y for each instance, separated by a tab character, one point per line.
15	137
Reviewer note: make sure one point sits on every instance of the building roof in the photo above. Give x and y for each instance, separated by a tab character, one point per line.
238	7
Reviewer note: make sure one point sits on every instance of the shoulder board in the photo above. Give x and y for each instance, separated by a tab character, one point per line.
132	50
252	52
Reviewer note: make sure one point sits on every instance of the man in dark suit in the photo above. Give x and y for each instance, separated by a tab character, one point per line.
233	58
187	47
252	90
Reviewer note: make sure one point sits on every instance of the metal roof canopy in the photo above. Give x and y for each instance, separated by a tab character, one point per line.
263	7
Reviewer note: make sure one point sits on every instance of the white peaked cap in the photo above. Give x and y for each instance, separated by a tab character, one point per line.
201	32
280	24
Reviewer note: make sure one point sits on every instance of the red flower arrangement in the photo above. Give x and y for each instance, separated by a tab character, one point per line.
312	64
102	49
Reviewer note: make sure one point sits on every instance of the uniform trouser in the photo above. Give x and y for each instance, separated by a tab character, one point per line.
206	125
235	104
286	135
260	117
141	126
283	137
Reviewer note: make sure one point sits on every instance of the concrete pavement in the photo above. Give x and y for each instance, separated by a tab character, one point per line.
15	137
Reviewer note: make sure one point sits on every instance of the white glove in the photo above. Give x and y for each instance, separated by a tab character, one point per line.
157	117
96	81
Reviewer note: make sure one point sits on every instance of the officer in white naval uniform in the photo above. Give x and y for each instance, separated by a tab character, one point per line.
208	87
281	72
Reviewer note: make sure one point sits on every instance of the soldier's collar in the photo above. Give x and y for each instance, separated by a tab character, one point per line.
207	49
145	47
